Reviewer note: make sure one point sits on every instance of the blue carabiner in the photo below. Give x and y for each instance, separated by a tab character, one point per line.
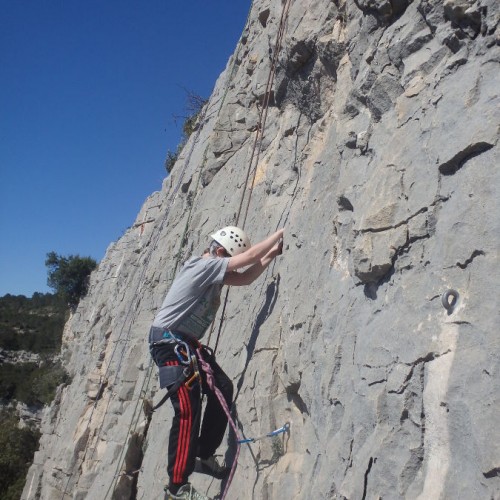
285	428
184	359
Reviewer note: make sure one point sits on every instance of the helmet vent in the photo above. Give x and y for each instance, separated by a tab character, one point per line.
233	239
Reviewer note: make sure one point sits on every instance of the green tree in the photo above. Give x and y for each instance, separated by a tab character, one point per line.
69	276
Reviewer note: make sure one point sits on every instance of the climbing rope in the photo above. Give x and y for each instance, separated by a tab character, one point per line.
256	150
265	107
257	145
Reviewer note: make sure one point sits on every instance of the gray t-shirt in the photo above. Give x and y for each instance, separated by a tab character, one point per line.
194	297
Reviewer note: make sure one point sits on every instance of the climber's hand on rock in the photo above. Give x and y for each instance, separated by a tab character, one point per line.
280	248
277	249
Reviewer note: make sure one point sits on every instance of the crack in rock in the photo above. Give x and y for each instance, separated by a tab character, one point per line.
423	359
367	472
453	165
495	472
381	381
394	226
475	253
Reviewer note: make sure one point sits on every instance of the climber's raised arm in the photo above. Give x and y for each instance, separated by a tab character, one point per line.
254	254
234	278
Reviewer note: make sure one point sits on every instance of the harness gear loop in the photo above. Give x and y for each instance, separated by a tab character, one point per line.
173	388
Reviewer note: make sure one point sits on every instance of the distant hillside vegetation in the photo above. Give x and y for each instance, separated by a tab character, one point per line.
32	324
30	339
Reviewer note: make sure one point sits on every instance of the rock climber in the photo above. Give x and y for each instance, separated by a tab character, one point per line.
188	310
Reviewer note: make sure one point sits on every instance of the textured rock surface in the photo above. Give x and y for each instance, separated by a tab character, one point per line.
380	157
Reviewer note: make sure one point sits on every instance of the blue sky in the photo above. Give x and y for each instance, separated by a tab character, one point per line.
89	92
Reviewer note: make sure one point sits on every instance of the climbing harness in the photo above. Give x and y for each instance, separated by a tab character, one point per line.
189	375
281	430
445	299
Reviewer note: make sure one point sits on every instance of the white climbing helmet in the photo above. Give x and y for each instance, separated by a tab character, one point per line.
233	239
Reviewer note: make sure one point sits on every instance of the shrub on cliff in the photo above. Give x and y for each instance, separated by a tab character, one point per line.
69	276
194	105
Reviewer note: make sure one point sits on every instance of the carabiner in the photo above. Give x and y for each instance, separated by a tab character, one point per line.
183	357
189	383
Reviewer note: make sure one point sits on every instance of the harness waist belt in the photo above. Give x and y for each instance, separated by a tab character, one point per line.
165	336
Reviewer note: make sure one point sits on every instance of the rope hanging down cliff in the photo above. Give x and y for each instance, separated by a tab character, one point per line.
256	150
257	146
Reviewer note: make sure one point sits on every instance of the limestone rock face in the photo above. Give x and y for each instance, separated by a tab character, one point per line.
379	155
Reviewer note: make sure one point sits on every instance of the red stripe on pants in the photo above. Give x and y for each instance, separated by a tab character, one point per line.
184	435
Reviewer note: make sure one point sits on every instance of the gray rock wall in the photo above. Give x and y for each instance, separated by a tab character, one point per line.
380	158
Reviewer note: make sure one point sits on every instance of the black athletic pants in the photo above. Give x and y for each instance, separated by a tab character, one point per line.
186	441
